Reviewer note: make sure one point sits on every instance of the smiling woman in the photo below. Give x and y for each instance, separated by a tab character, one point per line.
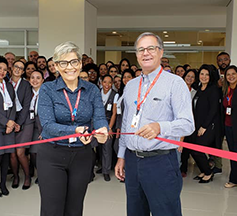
67	105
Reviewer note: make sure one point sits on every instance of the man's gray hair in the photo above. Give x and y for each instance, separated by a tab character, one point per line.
145	34
65	48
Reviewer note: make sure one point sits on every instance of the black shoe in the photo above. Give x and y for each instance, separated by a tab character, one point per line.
4	190
197	178
217	170
106	177
99	171
26	187
15	184
207	181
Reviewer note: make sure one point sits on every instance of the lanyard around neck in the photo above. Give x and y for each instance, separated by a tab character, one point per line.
139	102
74	111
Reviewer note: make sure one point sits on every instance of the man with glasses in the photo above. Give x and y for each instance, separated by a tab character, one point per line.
156	104
33	56
164	61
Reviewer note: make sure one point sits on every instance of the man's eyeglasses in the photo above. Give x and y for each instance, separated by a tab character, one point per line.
64	64
19	68
92	72
150	49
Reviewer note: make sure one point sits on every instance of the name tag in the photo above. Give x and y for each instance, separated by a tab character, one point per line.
228	111
135	121
109	107
5	107
32	115
72	139
119	110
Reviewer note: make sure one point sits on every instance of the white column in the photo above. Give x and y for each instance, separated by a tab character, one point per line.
231	31
61	21
114	56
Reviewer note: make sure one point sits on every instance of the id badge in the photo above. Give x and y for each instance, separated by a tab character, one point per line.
5	107
32	115
119	111
72	139
135	121
228	111
109	107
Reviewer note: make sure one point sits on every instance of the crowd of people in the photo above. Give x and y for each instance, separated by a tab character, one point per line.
212	92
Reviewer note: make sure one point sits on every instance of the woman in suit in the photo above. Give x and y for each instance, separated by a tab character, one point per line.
67	106
7	122
24	124
206	116
230	105
36	80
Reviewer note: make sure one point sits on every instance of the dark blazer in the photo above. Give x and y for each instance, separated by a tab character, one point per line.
24	94
234	115
206	111
10	114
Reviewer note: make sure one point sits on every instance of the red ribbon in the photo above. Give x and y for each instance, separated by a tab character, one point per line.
212	151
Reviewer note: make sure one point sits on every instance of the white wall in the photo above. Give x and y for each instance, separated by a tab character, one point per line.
18	22
65	25
175	22
218	21
231	31
90	30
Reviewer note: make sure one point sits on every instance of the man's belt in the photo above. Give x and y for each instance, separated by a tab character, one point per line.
144	154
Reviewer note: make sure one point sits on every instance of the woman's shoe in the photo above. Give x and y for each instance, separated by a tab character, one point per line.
230	185
4	190
26	187
208	180
15	184
197	177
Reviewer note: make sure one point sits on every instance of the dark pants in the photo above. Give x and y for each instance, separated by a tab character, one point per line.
63	173
201	158
232	147
153	185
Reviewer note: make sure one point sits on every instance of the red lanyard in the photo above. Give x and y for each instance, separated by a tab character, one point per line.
14	86
74	111
229	97
139	102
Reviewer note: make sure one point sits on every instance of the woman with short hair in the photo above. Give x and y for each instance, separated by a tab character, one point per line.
67	106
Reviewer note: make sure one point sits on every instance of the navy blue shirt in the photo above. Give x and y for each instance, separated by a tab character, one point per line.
55	115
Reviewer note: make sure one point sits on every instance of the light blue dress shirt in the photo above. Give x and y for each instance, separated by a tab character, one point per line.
55	115
168	103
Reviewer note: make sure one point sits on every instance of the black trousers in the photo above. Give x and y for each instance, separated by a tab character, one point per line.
232	145
63	173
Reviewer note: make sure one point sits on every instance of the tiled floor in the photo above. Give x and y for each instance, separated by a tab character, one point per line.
108	198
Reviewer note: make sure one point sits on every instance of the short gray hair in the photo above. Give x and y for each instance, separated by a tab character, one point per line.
145	34
65	48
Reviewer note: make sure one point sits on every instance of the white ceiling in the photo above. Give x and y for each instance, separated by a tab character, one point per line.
29	8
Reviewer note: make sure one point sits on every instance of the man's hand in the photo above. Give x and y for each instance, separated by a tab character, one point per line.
149	131
101	135
119	169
